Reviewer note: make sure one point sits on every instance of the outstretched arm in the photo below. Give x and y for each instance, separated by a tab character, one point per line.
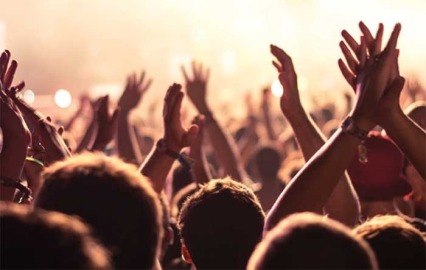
158	164
323	171
343	203
127	144
200	171
224	146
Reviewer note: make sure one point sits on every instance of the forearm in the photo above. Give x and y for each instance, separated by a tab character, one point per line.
268	124
156	167
342	204
200	171
127	144
307	134
12	160
225	150
87	139
410	138
313	185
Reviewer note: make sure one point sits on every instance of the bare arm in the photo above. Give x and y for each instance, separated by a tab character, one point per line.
224	146
127	144
313	185
200	171
158	164
342	204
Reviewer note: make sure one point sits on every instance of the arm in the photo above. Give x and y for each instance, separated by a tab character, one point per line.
200	171
267	115
342	204
127	144
16	138
158	164
16	135
313	185
224	146
107	125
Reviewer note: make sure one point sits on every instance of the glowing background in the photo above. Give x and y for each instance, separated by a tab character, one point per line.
90	46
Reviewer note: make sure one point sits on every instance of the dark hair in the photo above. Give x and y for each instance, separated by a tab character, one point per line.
221	224
306	241
111	196
397	244
267	160
47	240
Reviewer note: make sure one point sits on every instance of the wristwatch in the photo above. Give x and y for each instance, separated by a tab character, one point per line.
349	127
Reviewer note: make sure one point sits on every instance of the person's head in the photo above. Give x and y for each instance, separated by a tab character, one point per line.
397	244
307	241
114	198
220	225
267	162
47	240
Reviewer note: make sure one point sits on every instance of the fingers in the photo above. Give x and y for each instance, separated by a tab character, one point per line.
147	85
5	57
279	54
347	74
19	87
369	39
352	63
277	66
185	75
362	54
170	101
61	130
378	43
8	78
142	77
391	46
207	75
350	41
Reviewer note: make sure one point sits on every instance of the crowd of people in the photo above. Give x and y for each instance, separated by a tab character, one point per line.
310	190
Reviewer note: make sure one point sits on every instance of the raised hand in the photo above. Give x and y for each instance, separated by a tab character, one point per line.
372	81
7	72
176	136
135	89
196	86
288	79
50	135
367	50
107	123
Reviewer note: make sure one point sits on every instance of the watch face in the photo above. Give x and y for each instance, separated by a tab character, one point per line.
348	124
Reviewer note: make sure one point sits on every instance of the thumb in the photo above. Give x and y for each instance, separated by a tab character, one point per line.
393	91
191	134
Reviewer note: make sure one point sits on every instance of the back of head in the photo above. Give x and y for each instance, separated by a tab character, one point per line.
306	241
111	196
267	161
397	244
47	240
221	224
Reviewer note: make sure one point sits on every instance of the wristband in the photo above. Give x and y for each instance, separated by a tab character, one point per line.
349	127
183	159
34	160
25	195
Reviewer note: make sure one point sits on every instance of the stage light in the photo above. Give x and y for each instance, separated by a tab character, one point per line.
63	98
28	96
277	89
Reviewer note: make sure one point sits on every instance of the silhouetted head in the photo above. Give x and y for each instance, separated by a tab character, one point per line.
47	240
396	243
307	241
114	198
220	225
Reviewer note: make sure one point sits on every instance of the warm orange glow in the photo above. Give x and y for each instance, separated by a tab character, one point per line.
83	45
